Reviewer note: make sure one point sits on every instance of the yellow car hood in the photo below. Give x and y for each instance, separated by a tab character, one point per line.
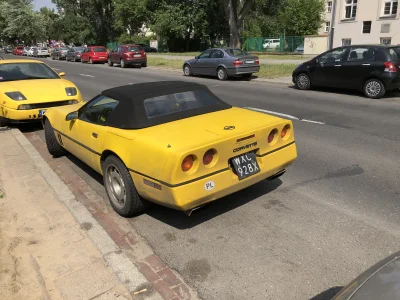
34	89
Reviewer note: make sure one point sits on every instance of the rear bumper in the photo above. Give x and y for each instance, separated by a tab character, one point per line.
191	195
392	81
98	59
135	61
242	70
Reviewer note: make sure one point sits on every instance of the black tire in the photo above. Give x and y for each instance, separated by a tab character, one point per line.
303	82
52	144
187	70
248	75
3	122
221	74
52	57
122	64
374	88
110	64
133	204
144	65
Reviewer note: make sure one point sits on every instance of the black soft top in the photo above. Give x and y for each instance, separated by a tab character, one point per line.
130	113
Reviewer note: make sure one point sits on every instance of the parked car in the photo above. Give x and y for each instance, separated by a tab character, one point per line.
59	53
222	62
94	54
8	49
1	58
41	52
372	69
271	44
205	149
25	51
30	51
147	48
128	55
74	54
18	50
299	49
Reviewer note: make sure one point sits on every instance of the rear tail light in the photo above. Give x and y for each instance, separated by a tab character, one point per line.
390	67
208	157
187	163
285	130
271	136
237	62
257	61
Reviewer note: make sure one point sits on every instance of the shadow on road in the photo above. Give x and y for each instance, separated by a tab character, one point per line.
328	294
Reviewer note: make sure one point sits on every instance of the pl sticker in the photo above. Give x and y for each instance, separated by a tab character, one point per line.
209	185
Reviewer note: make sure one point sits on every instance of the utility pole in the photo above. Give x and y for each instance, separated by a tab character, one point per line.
332	29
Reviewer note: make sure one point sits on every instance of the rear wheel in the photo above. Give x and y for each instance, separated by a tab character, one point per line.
303	82
90	61
144	65
52	144
122	63
221	73
374	89
120	188
3	122
187	70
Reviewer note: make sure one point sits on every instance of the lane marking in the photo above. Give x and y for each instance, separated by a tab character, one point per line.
86	75
273	113
311	121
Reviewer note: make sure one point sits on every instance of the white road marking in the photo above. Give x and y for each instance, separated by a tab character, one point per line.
311	121
86	75
273	113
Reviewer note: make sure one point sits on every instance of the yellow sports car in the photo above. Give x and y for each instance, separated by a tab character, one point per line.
29	87
170	142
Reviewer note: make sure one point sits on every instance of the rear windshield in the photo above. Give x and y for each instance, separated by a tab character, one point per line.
99	49
395	53
174	103
20	47
79	49
134	48
236	52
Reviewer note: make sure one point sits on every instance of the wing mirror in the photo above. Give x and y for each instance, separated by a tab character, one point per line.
196	57
72	116
61	74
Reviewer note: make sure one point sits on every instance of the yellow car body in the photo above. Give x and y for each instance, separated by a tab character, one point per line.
40	94
154	155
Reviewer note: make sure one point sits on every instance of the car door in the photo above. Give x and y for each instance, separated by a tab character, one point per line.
214	61
88	133
119	55
200	64
84	55
327	68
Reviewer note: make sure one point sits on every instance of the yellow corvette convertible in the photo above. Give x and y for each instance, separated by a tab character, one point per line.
29	87
173	143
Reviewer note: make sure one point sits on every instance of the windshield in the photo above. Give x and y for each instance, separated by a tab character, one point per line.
24	71
134	48
395	53
236	52
79	49
99	49
173	103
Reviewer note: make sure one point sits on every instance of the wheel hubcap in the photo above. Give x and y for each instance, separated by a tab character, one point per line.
122	63
187	71
373	88
302	81
221	74
115	186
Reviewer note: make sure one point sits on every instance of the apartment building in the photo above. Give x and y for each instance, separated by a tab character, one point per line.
362	22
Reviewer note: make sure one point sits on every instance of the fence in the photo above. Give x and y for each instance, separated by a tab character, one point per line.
274	44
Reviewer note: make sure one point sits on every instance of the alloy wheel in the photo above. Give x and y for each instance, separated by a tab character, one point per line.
221	74
303	81
187	71
373	88
115	186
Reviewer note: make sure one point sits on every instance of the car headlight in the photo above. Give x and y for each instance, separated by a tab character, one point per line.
25	107
15	95
72	102
71	91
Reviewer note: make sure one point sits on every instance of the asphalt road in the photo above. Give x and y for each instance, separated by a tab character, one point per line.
333	214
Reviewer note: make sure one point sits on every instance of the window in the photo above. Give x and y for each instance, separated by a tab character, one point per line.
385	28
205	54
329	6
239	52
98	110
22	71
395	53
390	7
99	49
362	53
386	41
351	9
217	54
333	56
346	42
180	102
367	26
327	26
134	48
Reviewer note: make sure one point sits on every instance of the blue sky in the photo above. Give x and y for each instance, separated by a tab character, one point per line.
40	3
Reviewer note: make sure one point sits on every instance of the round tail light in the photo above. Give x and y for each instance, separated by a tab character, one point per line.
187	163
272	135
285	130
208	157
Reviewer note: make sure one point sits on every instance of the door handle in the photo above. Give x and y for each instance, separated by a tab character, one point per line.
366	64
338	65
95	135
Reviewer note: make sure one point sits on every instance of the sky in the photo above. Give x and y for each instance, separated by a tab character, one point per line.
40	3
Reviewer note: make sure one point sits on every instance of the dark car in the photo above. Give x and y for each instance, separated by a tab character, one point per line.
128	55
372	69
74	54
222	62
381	281
147	48
59	53
8	49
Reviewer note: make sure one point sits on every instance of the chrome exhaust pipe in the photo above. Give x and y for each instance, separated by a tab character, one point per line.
276	175
190	211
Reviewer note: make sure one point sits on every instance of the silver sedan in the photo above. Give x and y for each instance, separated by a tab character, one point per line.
222	62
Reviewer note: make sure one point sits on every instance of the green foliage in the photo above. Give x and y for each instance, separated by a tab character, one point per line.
301	17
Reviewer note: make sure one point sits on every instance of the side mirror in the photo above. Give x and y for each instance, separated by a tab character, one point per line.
72	116
61	74
196	57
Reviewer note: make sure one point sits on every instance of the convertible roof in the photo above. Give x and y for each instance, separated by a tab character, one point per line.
130	113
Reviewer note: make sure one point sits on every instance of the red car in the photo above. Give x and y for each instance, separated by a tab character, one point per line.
18	50
127	55
94	54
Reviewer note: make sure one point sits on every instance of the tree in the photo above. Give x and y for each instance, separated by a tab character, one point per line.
50	19
302	17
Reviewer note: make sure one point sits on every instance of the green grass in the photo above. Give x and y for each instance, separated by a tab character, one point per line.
266	71
260	55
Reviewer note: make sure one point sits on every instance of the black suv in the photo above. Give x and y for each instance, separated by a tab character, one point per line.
373	69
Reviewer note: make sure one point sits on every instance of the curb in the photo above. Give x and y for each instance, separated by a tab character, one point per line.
126	271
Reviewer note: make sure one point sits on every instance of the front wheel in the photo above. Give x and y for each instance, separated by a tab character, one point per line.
3	122
52	144
221	73
187	70
144	65
303	82
122	64
120	188
374	89
110	64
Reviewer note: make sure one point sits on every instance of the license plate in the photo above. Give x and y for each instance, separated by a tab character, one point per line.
137	55
245	165
41	112
249	61
101	57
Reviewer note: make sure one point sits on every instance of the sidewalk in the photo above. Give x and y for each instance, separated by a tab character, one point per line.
53	247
